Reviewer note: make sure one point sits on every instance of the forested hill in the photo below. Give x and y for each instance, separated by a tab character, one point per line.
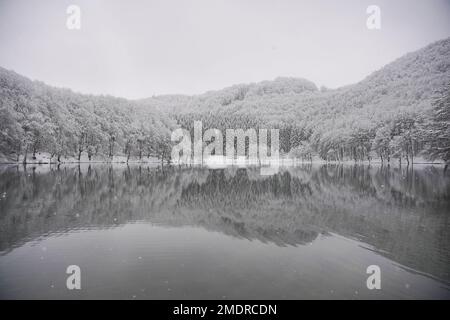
406	81
216	100
35	117
387	114
399	111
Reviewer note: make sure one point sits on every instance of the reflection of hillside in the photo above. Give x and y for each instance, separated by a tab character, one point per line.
402	214
238	206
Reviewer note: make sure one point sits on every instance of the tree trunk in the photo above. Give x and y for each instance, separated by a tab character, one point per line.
25	156
79	155
111	149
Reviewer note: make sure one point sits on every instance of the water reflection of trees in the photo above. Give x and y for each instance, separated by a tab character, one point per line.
401	213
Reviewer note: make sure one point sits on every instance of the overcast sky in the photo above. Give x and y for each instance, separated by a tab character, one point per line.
137	49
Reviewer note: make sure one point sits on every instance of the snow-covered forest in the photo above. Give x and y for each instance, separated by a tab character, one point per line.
36	117
401	111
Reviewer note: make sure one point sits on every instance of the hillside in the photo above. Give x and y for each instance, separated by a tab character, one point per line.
385	115
36	117
344	122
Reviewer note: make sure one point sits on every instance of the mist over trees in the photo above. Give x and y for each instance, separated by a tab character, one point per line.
399	112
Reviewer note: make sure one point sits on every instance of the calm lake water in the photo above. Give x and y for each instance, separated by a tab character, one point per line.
140	232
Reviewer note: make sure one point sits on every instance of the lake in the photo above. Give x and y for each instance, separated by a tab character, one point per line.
143	232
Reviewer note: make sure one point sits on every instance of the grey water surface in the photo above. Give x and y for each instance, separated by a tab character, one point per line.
143	232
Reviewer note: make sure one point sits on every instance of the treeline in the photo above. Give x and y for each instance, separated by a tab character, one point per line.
35	118
400	111
403	133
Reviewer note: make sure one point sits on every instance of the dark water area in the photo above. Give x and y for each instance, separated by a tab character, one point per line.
142	232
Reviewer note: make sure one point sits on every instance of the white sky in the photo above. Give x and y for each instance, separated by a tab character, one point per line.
137	49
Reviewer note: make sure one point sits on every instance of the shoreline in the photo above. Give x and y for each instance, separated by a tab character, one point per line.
281	162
